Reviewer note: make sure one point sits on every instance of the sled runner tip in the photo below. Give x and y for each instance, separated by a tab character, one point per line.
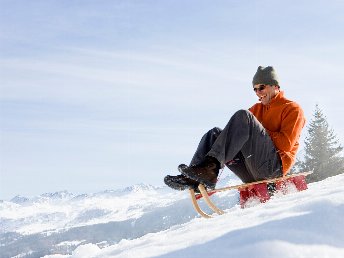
196	205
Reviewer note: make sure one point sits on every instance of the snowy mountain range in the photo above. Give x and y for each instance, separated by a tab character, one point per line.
148	221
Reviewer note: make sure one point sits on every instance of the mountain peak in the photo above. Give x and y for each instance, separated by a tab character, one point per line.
139	188
19	199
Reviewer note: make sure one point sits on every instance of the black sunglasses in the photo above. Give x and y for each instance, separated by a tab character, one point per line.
260	87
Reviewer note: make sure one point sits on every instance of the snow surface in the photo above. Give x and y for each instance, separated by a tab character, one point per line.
147	221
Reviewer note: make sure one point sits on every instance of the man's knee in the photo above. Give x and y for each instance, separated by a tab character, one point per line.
242	115
215	131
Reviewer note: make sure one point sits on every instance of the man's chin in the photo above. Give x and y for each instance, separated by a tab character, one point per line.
264	100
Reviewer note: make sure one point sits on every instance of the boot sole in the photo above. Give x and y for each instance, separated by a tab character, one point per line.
178	186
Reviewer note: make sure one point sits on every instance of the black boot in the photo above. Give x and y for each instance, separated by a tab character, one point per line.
205	173
180	182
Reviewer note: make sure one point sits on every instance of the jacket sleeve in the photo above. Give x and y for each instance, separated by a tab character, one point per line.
293	121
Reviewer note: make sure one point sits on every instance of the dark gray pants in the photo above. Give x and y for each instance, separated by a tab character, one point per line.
243	146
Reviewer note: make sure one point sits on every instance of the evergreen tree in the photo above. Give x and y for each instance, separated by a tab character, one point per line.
322	150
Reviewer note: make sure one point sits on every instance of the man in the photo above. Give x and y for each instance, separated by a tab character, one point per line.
256	144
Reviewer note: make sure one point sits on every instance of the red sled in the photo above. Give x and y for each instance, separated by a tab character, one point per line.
258	190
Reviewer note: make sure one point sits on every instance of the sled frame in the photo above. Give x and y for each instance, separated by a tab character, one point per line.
206	194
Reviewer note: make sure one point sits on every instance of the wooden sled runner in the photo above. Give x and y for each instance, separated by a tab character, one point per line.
248	190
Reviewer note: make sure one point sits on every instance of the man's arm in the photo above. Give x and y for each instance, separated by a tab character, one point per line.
293	121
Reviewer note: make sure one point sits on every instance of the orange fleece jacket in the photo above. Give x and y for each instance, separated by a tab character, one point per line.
283	119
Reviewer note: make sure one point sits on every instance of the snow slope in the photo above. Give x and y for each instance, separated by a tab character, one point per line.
146	221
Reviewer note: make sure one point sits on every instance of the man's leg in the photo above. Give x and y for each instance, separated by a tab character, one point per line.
180	182
205	145
238	167
245	134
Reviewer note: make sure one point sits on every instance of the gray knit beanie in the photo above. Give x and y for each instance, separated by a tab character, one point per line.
265	75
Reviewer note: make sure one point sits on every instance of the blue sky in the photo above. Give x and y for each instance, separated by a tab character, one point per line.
100	95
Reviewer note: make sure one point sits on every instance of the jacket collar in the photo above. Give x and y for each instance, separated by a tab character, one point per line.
275	99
